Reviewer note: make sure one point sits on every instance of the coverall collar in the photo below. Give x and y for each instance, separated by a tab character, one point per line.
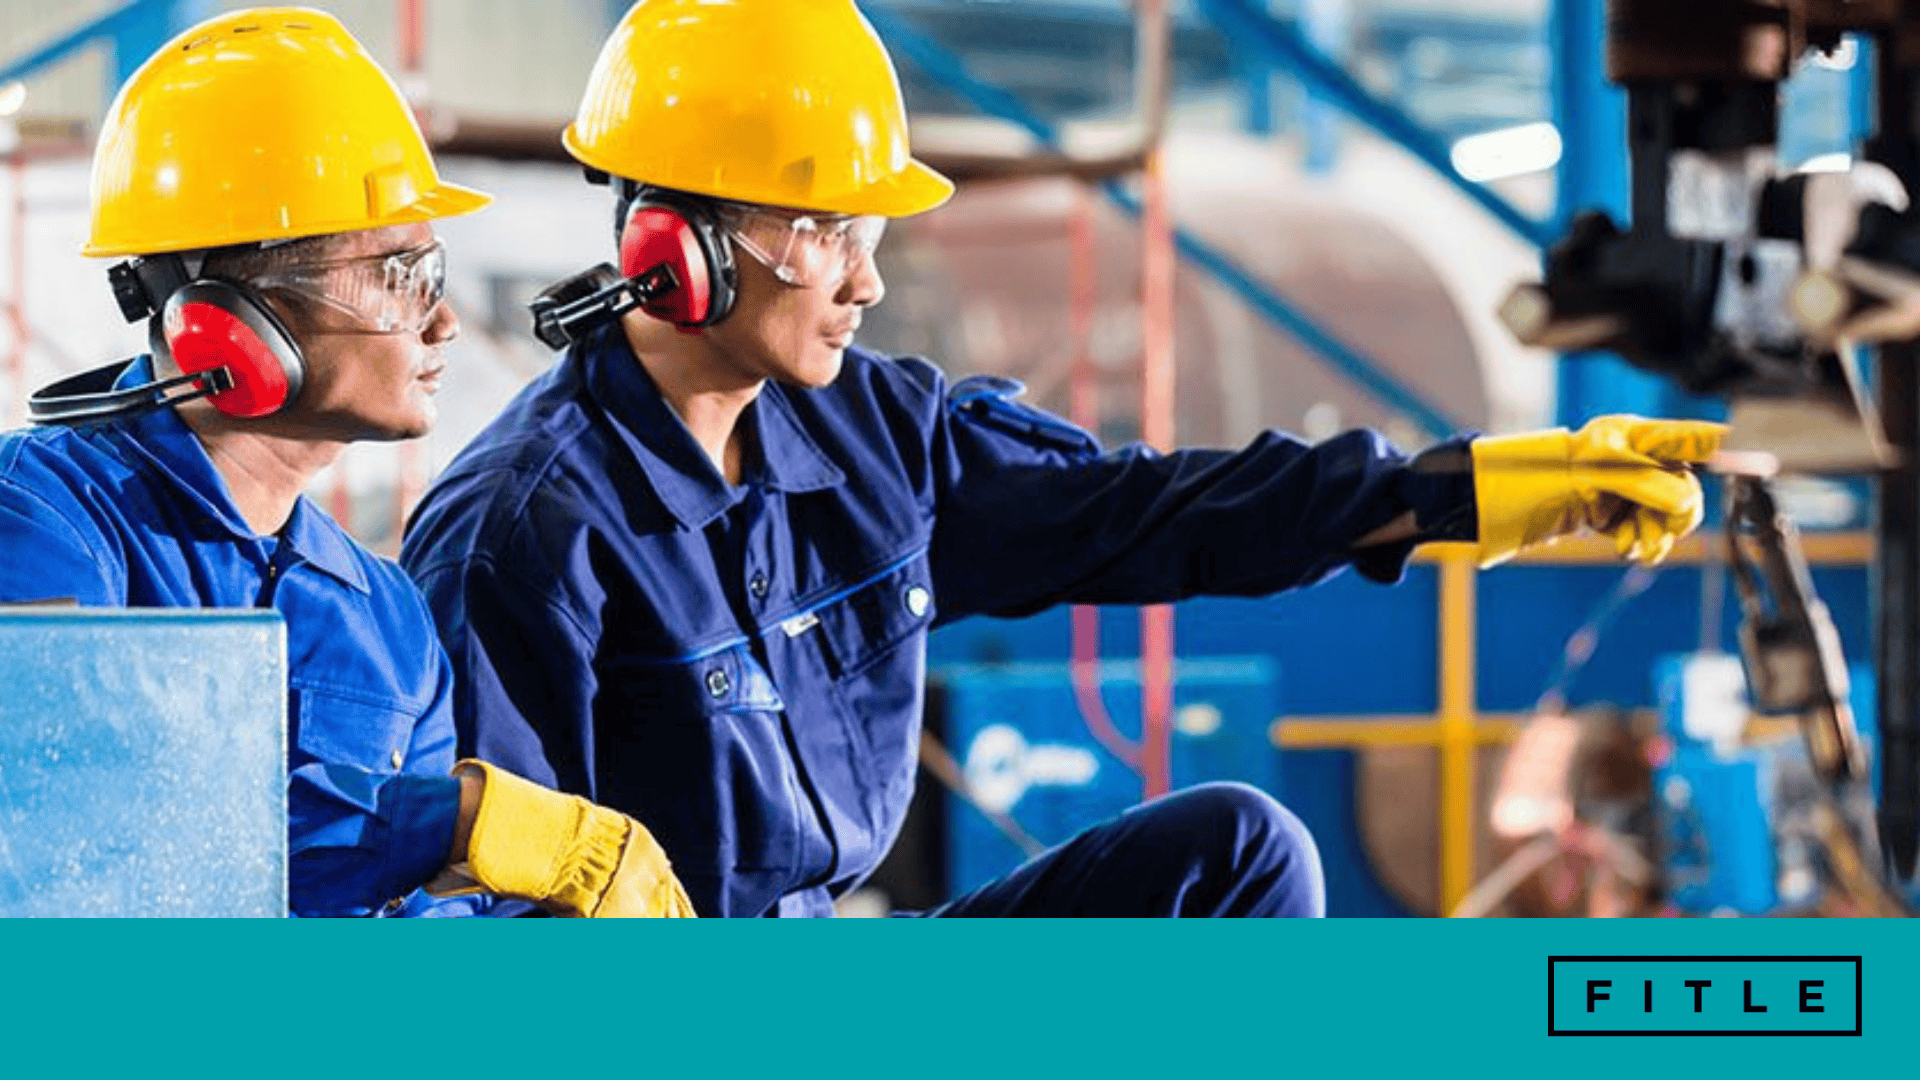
681	474
169	445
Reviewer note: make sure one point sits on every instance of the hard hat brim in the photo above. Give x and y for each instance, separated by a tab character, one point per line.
915	189
444	201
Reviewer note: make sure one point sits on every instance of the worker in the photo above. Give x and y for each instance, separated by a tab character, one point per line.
689	572
272	198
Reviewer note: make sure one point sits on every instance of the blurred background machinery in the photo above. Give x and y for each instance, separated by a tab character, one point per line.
1185	222
1766	284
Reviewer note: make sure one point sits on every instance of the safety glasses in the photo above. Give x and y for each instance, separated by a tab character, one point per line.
808	250
384	294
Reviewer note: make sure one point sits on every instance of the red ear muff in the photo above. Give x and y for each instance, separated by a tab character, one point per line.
211	324
684	236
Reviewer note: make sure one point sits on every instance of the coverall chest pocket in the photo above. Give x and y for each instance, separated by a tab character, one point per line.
342	729
874	646
859	631
706	766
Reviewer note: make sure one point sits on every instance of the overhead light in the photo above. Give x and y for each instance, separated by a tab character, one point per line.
1514	151
12	96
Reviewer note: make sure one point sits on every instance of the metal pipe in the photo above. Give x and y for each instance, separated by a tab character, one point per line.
340	497
1157	431
1459	742
1152	74
1156	700
1156	311
1083	298
1083	408
408	483
17	294
413	36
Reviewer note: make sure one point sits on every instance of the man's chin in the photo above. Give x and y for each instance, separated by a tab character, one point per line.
399	429
817	371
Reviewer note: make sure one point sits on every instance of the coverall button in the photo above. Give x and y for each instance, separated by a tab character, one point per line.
398	759
717	683
758	586
917	600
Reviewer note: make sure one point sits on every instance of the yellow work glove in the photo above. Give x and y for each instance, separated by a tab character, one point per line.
1622	476
566	854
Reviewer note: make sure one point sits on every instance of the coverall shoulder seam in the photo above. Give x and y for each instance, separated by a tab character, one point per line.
490	565
504	508
101	558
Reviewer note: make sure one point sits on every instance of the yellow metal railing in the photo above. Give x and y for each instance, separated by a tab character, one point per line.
1458	743
1458	729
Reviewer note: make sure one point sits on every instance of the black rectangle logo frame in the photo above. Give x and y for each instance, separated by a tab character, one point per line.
1858	986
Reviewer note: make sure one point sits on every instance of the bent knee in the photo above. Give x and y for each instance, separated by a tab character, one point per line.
1252	816
1259	852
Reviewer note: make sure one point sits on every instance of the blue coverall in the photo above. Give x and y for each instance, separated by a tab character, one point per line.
741	667
131	513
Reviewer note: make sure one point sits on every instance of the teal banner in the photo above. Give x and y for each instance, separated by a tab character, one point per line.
937	998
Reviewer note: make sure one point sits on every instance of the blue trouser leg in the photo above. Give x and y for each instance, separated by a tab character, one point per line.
1217	850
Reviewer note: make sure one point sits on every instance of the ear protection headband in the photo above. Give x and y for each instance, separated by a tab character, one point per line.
229	346
675	264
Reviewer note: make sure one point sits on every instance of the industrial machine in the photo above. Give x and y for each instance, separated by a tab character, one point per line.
1739	278
1738	812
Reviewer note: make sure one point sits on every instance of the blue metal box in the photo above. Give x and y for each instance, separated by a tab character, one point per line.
1017	731
142	763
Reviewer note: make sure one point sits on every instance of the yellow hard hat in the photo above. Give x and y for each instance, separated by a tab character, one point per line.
266	124
781	102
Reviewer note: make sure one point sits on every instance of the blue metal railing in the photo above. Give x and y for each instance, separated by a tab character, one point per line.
940	64
1251	26
78	38
136	30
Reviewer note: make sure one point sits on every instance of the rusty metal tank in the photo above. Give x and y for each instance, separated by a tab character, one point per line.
984	285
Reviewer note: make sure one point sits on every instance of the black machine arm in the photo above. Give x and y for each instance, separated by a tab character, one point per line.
1795	667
